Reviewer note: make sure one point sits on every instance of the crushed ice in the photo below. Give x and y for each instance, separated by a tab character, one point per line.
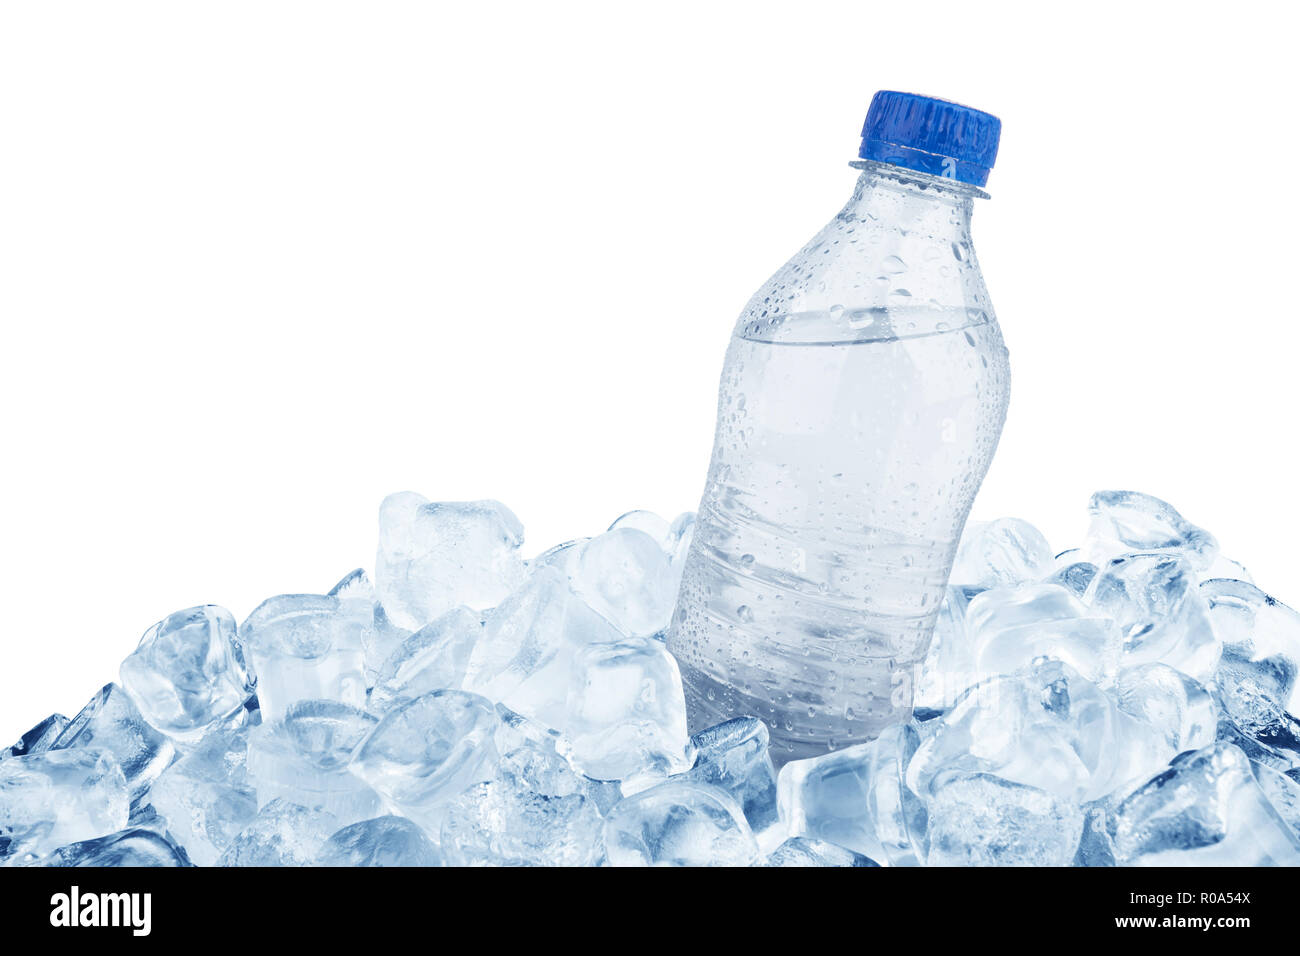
1132	702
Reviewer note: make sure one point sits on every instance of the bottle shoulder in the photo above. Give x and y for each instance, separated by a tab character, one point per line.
863	277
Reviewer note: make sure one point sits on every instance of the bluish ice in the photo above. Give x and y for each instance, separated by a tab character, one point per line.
305	758
435	555
1133	701
282	834
308	647
800	851
380	841
206	798
110	721
427	751
679	823
188	672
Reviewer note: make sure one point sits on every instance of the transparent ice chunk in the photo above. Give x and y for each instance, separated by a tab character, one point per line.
354	586
133	847
189	672
1127	521
1169	702
308	647
304	758
58	797
381	642
1205	810
110	721
1282	791
679	823
800	851
1010	627
1045	727
858	798
282	834
625	714
1073	572
526	656
426	751
733	756
949	665
433	658
1154	600
206	797
534	812
647	522
983	820
1257	678
434	555
39	738
997	553
626	576
381	841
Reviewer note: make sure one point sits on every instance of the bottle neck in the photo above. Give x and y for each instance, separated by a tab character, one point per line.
915	203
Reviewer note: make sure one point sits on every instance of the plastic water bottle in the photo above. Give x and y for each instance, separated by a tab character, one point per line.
861	401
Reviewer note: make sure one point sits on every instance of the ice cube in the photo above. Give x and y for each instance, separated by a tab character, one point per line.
625	714
1205	810
800	851
1097	844
1045	727
382	841
648	523
110	721
282	834
354	586
1171	703
949	665
436	555
526	655
307	647
426	751
680	533
983	820
1127	521
626	576
535	812
433	658
133	847
1257	678
1226	568
39	738
188	672
679	823
997	553
1153	598
1073	572
304	758
1010	627
206	797
563	557
1282	792
858	798
381	642
59	797
733	756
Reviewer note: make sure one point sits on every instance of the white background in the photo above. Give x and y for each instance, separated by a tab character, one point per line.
263	263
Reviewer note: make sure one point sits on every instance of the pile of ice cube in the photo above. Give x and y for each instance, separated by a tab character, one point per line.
1134	702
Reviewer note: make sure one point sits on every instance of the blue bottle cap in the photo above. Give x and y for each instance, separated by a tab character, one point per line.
932	136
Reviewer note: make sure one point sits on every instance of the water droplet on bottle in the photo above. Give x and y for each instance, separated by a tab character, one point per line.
747	560
745	614
892	265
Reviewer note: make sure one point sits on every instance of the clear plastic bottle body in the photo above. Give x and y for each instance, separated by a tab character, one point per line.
860	405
